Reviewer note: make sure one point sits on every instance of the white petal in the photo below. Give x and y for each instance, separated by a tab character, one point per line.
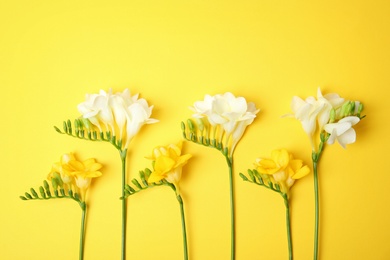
350	119
348	137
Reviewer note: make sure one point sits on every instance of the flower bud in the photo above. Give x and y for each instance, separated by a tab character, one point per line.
200	124
332	116
243	177
360	109
42	192
28	195
136	183
34	193
190	125
344	111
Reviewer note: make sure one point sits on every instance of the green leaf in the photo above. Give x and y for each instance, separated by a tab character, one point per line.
23	198
28	195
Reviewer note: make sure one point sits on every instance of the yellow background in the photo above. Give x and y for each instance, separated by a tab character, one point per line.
174	52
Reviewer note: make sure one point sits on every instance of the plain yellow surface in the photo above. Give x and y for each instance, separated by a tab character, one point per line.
174	52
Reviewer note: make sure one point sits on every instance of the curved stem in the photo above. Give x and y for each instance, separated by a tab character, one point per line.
288	225
232	223
317	202
124	203
82	231
183	227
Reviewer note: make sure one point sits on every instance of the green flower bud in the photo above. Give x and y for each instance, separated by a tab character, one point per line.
28	195
54	183
65	127
360	109
243	177
200	124
251	176
190	125
142	176
57	129
69	124
46	185
58	178
34	193
332	117
77	124
344	111
136	183
147	172
42	192
129	188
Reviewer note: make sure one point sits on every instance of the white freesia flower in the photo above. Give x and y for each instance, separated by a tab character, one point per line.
342	131
117	112
313	112
232	113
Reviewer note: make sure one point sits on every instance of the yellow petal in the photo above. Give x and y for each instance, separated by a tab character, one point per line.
155	177
305	170
76	165
163	164
281	157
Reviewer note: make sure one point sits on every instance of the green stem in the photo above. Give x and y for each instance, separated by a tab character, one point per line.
124	203
183	227
232	223
82	231
288	225
317	202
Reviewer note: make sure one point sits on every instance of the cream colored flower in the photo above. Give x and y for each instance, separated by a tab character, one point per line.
119	112
232	113
342	131
314	113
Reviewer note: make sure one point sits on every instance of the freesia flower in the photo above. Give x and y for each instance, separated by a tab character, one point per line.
117	112
314	113
62	168
283	168
83	172
342	131
232	114
168	163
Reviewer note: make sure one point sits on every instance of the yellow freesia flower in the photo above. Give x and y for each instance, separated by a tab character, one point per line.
168	163
59	168
283	168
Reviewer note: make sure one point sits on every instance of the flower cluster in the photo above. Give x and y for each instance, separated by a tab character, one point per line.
329	113
227	118
119	113
281	169
168	163
77	175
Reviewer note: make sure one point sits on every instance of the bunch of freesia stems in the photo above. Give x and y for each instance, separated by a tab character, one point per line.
218	122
